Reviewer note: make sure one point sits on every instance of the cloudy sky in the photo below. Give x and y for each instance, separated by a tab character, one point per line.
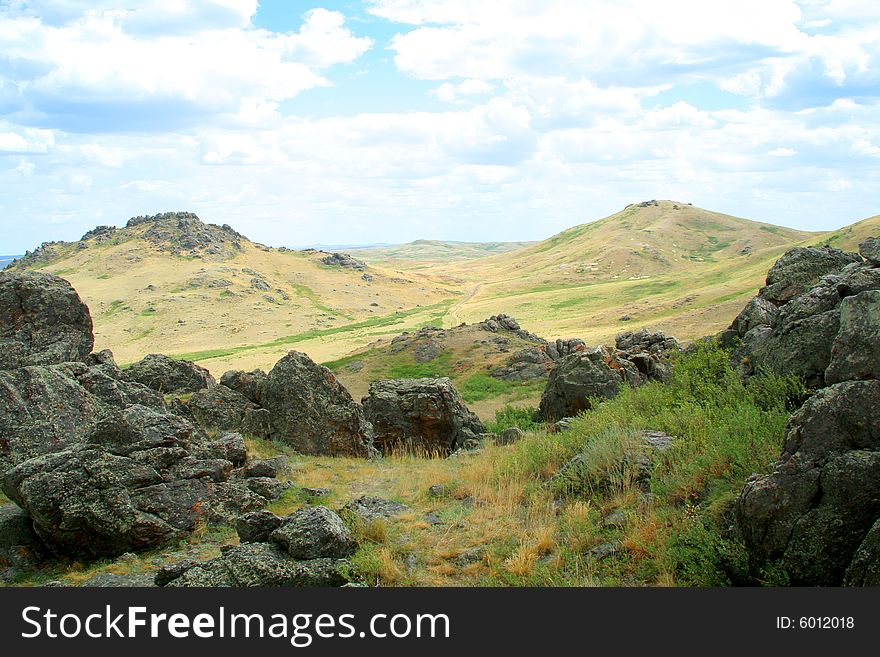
367	121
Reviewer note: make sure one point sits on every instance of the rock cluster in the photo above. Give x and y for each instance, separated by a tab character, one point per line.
818	512
343	260
306	548
507	323
94	458
791	326
587	374
423	415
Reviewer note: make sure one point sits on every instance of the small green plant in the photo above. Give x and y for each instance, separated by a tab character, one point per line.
521	417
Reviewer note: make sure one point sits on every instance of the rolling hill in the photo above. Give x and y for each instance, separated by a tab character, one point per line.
421	254
170	283
663	264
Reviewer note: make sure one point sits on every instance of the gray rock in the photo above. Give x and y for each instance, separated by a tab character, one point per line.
870	250
165	374
420	414
262	565
171	571
344	260
221	407
227	446
248	384
864	569
575	381
271	467
855	353
370	508
257	526
800	269
312	412
510	436
314	532
527	364
42	321
267	487
139	481
816	508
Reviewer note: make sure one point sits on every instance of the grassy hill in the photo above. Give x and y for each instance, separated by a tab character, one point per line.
661	264
175	285
849	237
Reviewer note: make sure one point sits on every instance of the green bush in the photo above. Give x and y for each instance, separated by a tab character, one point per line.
521	417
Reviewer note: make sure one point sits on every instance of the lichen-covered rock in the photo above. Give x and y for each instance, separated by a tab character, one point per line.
248	384
343	260
815	509
864	569
257	526
314	532
527	364
420	414
221	407
262	565
310	410
141	479
576	380
870	250
855	353
800	269
42	321
166	375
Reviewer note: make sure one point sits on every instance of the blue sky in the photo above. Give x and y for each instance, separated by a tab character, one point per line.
368	121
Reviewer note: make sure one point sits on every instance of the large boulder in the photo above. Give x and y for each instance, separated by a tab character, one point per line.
314	532
42	321
141	479
855	353
311	411
526	364
648	351
420	414
221	407
800	269
47	408
166	375
814	511
575	381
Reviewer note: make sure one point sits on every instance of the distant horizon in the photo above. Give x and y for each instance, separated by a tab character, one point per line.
363	121
369	245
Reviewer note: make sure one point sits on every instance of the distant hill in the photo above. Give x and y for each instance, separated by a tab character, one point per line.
434	251
170	283
657	263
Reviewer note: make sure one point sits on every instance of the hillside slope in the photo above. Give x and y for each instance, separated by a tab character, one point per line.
173	284
422	254
661	264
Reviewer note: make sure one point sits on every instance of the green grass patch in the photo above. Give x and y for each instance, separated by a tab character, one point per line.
521	417
115	307
385	320
479	387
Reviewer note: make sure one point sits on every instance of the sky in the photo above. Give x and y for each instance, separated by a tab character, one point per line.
357	122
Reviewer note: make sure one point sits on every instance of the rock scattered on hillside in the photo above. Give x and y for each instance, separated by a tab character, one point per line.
575	381
508	323
169	375
420	414
306	548
344	260
312	412
44	321
369	508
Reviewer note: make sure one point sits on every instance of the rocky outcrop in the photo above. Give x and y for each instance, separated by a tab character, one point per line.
816	508
312	412
507	323
343	260
420	414
48	408
307	548
184	234
42	321
817	512
141	479
575	381
167	375
648	351
793	323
